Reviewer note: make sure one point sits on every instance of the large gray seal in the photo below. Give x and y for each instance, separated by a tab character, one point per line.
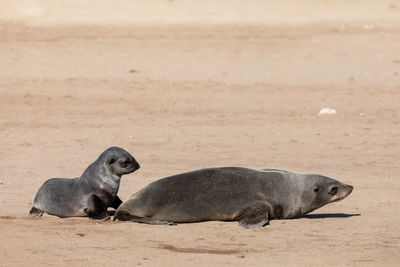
89	195
250	196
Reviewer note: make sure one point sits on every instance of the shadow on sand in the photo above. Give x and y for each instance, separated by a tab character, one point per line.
111	212
330	215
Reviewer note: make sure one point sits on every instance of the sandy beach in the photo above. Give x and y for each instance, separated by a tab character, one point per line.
184	85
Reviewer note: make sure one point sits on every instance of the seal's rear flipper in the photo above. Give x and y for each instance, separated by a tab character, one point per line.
253	218
97	209
34	212
124	216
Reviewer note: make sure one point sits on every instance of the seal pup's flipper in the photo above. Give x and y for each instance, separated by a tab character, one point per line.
123	216
116	202
96	209
253	218
34	212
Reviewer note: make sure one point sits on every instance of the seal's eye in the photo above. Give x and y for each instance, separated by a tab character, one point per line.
317	189
124	163
333	190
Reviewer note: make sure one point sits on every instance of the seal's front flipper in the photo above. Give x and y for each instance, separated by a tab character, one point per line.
254	222
34	212
253	218
116	202
96	209
124	216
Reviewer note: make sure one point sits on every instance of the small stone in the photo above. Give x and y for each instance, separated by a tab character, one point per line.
327	111
369	26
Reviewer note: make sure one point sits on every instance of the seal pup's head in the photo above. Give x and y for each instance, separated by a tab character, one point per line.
119	161
320	190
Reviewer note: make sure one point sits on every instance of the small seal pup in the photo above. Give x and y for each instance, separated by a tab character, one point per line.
250	196
89	195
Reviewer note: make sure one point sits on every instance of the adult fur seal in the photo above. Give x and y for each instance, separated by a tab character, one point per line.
89	195
250	196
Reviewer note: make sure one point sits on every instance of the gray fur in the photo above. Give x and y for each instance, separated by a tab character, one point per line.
249	196
100	181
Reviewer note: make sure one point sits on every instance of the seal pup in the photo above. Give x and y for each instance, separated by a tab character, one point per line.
250	196
89	195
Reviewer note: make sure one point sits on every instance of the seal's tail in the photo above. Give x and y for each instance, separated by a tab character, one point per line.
115	216
34	212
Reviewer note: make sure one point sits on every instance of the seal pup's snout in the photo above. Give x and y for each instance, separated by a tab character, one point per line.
137	165
134	166
130	165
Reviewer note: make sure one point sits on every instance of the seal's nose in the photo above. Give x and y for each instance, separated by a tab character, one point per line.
350	188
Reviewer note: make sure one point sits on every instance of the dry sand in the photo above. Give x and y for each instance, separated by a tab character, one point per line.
191	84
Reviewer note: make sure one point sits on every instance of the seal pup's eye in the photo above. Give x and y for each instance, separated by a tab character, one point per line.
317	189
124	163
333	190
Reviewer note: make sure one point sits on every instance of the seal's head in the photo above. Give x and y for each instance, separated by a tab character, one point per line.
320	190
119	161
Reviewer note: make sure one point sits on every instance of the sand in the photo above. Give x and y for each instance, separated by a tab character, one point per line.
184	85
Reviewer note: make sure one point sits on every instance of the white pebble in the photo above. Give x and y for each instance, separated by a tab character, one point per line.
369	26
327	111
